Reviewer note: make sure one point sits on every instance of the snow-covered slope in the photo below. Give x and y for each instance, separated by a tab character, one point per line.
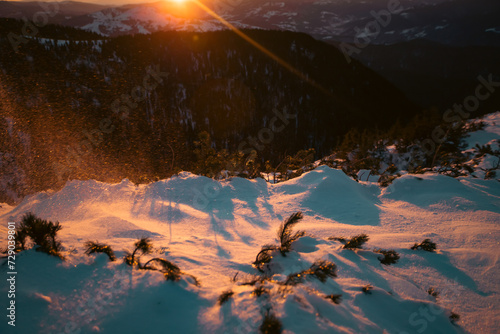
214	230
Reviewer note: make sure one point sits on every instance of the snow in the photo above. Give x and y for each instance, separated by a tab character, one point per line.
495	30
215	229
147	19
489	134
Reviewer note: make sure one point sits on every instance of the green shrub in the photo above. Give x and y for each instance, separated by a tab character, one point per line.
264	257
339	239
386	180
196	281
285	235
356	242
271	324
334	298
390	256
225	296
454	318
43	233
367	289
254	280
143	246
259	291
433	292
92	247
320	270
426	245
170	270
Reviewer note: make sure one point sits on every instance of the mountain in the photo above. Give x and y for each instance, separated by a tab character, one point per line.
453	22
147	18
434	74
214	82
56	12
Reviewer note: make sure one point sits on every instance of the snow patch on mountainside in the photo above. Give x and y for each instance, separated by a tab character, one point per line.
147	19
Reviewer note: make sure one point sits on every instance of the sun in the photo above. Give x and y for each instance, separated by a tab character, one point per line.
178	1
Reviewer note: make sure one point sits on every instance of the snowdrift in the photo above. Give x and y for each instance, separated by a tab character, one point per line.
214	230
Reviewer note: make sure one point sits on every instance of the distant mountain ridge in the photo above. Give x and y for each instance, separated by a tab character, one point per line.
454	22
213	81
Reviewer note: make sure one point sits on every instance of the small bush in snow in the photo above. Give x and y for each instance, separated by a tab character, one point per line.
259	291
390	256
285	234
426	245
254	280
295	278
433	292
225	296
143	246
334	298
170	270
454	318
43	233
490	174
339	239
92	247
196	281
356	242
271	324
21	239
367	289
320	269
386	180
264	257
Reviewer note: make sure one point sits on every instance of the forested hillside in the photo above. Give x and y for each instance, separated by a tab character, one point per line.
75	105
